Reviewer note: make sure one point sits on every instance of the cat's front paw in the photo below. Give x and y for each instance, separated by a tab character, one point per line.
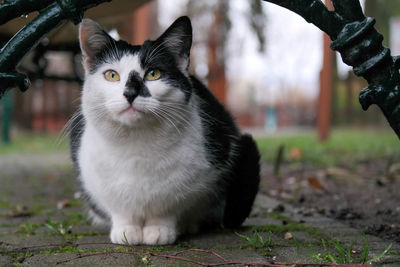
122	234
159	235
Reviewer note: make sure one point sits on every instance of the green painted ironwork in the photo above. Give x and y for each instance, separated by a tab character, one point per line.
10	9
52	15
353	35
7	105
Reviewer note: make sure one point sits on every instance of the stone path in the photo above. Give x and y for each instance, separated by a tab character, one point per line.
38	211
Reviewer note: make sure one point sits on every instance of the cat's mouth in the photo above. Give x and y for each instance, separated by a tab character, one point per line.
130	110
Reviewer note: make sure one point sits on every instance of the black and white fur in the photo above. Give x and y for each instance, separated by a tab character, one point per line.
170	159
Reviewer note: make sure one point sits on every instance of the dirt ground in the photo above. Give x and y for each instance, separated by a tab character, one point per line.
42	224
364	195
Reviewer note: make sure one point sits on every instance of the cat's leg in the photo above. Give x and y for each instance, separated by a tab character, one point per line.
243	186
98	220
160	231
125	230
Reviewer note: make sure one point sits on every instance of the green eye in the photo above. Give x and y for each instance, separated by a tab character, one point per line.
152	75
111	76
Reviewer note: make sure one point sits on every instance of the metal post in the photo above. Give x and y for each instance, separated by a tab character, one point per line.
324	111
7	103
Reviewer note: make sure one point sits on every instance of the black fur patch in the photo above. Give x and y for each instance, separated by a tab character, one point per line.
234	154
155	55
112	52
135	83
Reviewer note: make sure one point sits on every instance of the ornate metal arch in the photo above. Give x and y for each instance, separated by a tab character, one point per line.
352	34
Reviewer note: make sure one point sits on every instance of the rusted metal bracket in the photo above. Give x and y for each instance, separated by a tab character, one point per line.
353	35
52	14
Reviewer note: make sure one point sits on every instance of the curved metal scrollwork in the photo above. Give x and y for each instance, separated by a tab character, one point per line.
52	14
353	35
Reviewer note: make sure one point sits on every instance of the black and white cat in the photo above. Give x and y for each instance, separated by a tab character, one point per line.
156	154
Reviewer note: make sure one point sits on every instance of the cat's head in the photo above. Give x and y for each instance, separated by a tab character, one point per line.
133	85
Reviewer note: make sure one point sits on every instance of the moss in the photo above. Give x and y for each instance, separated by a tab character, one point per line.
74	236
16	256
394	252
278	216
37	209
290	227
74	250
169	248
4	204
28	228
7	225
34	180
62	249
76	218
76	203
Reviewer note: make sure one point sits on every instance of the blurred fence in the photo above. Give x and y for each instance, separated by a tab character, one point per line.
47	106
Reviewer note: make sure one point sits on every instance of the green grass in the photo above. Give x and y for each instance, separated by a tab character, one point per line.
257	241
336	253
34	143
290	227
344	146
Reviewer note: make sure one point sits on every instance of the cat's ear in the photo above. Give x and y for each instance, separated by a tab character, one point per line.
93	39
178	40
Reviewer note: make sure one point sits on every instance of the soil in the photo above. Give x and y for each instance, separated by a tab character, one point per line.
364	195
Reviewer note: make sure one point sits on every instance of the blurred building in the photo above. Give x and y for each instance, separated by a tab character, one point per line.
55	69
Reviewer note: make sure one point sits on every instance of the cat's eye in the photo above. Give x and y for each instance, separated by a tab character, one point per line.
153	74
111	76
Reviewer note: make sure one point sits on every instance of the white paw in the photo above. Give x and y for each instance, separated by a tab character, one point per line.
122	234
159	235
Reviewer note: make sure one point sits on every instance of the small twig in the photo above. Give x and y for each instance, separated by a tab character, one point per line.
201	250
80	256
77	244
148	251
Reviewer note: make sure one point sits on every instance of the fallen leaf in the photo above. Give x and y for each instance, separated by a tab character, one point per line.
19	211
295	153
288	236
63	204
314	183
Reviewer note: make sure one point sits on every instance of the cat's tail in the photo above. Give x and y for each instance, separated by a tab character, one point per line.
243	187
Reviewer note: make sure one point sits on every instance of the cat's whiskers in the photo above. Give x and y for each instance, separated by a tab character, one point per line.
176	113
72	121
182	111
167	117
173	113
201	112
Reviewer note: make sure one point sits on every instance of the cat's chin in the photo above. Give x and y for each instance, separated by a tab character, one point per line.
129	116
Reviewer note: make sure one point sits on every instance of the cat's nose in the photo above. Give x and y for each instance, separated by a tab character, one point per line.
130	94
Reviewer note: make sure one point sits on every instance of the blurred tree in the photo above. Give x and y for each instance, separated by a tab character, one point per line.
382	11
213	16
258	21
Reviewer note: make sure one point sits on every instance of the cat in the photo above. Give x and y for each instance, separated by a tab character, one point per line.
155	153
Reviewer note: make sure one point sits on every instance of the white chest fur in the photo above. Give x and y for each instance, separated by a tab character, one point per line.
145	175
